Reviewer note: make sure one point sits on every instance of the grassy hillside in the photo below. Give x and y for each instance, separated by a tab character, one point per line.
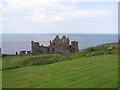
12	61
94	67
94	72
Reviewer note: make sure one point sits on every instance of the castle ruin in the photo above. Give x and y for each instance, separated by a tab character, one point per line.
58	45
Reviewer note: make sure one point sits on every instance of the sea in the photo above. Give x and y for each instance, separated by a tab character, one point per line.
12	43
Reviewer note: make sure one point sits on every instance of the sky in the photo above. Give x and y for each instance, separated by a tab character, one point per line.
59	16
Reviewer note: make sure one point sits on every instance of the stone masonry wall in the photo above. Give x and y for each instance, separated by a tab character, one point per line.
56	46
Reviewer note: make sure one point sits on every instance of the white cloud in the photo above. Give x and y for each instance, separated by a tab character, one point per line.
88	13
68	15
0	9
57	18
32	15
52	10
42	4
32	4
45	18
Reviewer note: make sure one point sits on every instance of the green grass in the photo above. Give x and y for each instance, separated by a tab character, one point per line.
12	61
94	67
86	72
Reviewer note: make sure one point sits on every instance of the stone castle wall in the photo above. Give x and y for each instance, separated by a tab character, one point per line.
58	45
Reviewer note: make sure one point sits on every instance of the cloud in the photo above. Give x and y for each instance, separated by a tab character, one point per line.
45	18
45	15
1	12
68	15
52	10
88	13
0	9
33	4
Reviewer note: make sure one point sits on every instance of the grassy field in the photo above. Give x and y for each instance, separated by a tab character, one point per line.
93	72
94	67
12	61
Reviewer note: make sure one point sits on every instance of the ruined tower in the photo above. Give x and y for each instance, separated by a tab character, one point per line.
74	46
35	47
65	42
58	45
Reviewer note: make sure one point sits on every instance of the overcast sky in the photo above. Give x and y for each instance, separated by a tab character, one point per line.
59	16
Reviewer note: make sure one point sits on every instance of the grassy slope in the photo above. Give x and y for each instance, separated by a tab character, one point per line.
11	62
87	72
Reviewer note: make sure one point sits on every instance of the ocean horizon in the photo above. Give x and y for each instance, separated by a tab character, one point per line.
12	43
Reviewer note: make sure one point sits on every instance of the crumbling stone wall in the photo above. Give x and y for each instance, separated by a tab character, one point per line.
74	46
58	45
